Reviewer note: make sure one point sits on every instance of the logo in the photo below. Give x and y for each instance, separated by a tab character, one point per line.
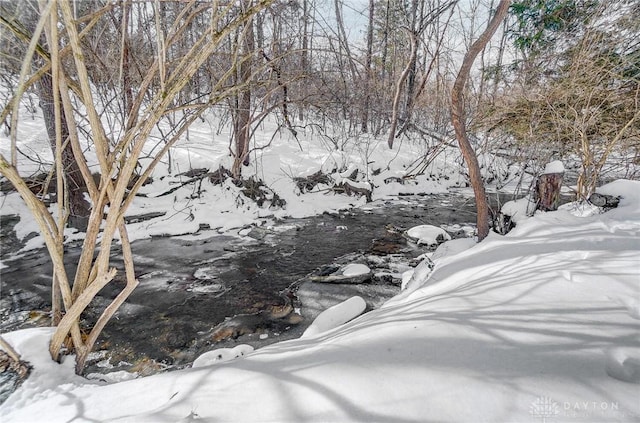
544	408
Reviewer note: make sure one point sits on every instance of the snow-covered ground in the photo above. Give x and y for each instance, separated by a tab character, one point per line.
541	325
276	161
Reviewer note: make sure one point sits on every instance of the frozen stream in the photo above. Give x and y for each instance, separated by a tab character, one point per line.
188	287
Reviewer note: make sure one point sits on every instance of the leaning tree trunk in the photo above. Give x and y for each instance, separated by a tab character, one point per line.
458	119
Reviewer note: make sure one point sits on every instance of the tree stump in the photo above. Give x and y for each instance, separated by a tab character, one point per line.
547	193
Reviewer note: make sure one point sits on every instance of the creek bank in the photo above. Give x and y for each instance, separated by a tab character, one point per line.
190	287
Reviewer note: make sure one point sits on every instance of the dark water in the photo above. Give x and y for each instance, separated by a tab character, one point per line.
187	287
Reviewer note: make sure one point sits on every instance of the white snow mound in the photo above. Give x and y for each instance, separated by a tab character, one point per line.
428	234
336	316
355	269
222	355
555	166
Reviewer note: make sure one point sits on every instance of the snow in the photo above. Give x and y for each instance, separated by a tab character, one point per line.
416	277
555	166
629	198
520	209
355	269
223	207
539	325
336	316
624	364
428	234
222	355
453	247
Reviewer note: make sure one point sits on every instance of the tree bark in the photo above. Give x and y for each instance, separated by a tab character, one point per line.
243	117
368	61
78	206
304	56
458	119
395	108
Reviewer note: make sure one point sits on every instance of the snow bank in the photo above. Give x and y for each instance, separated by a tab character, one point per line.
453	247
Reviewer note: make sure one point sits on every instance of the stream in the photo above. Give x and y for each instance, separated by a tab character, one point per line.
191	287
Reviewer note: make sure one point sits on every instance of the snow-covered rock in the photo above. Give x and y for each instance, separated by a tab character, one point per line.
414	278
356	269
428	235
336	316
624	364
352	273
518	210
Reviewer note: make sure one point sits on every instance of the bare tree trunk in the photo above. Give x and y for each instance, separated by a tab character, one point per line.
458	118
385	42
369	59
304	55
243	118
343	40
417	30
126	77
78	205
433	64
285	93
395	108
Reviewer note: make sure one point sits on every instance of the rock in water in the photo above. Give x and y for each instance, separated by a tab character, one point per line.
356	269
273	317
428	235
352	273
